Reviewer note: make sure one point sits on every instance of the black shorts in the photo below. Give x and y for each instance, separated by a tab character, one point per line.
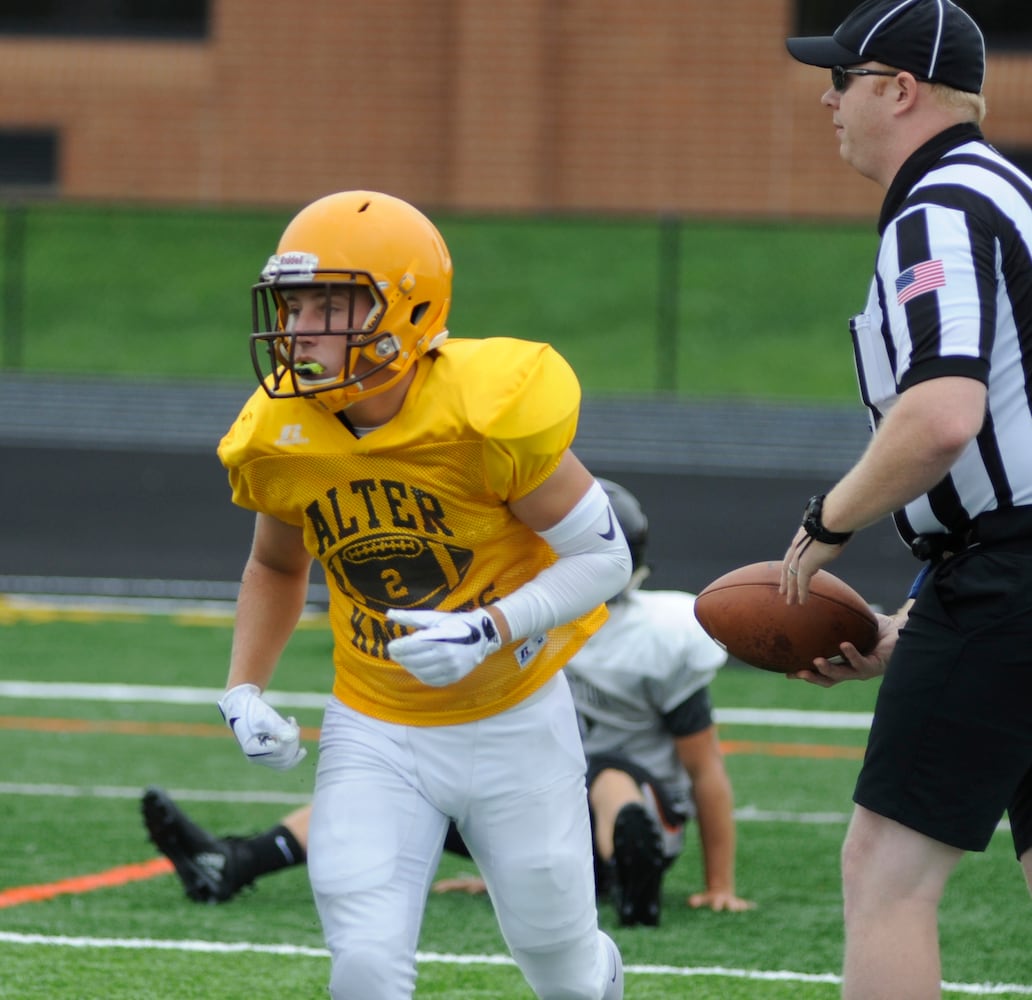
950	749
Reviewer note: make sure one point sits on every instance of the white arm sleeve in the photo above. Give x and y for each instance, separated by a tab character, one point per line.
594	565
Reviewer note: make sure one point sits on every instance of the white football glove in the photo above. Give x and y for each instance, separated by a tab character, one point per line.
446	645
263	734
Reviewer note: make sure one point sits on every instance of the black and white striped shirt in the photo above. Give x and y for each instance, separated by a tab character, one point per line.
952	295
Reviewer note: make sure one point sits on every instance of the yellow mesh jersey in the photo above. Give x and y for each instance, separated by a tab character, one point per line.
414	515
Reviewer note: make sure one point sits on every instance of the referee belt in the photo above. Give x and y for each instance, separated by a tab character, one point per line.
1005	528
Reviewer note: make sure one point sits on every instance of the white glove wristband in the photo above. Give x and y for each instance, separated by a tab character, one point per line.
263	734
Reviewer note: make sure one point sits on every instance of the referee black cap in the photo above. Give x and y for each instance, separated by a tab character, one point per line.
933	39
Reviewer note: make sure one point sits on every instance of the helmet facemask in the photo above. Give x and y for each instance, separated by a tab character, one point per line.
273	342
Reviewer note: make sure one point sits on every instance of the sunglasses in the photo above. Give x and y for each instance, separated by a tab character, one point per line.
840	75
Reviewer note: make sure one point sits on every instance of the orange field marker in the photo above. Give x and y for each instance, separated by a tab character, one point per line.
121	875
812	751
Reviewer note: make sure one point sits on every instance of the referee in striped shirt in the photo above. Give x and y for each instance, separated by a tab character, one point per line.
944	356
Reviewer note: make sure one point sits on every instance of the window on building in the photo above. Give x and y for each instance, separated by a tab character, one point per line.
1007	25
28	160
106	18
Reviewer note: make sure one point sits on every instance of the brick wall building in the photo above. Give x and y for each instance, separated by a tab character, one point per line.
473	105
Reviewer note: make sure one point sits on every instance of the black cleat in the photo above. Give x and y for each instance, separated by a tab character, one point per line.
208	867
639	864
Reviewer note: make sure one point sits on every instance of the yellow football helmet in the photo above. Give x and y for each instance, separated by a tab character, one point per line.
359	239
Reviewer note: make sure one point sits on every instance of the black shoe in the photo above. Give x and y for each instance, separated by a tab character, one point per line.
208	867
639	863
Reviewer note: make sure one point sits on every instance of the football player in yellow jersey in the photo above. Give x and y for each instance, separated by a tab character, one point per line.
468	554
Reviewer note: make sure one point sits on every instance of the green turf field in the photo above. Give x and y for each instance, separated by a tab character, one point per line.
740	309
77	758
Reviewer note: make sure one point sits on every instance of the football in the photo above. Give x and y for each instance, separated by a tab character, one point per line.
744	612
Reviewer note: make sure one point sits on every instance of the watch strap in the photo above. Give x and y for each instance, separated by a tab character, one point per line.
813	523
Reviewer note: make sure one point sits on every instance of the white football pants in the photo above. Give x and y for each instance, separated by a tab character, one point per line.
514	783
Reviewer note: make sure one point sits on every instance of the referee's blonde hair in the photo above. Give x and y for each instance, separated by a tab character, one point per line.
970	106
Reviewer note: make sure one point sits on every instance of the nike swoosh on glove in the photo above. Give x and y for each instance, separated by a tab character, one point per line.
263	734
445	646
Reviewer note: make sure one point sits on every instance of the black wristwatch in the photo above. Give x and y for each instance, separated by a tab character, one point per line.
813	525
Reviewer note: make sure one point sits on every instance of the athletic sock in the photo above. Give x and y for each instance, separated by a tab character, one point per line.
270	851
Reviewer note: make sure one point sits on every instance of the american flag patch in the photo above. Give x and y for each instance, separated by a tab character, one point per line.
919	279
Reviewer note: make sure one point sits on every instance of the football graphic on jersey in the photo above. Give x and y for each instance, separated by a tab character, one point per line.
744	612
394	570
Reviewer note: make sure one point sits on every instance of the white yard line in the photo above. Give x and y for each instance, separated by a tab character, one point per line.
746	814
54	690
245	947
141	693
42	790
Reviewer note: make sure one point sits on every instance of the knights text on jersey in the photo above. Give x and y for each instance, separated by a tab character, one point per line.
414	515
952	296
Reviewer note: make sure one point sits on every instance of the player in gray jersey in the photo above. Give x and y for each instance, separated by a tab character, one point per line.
641	687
